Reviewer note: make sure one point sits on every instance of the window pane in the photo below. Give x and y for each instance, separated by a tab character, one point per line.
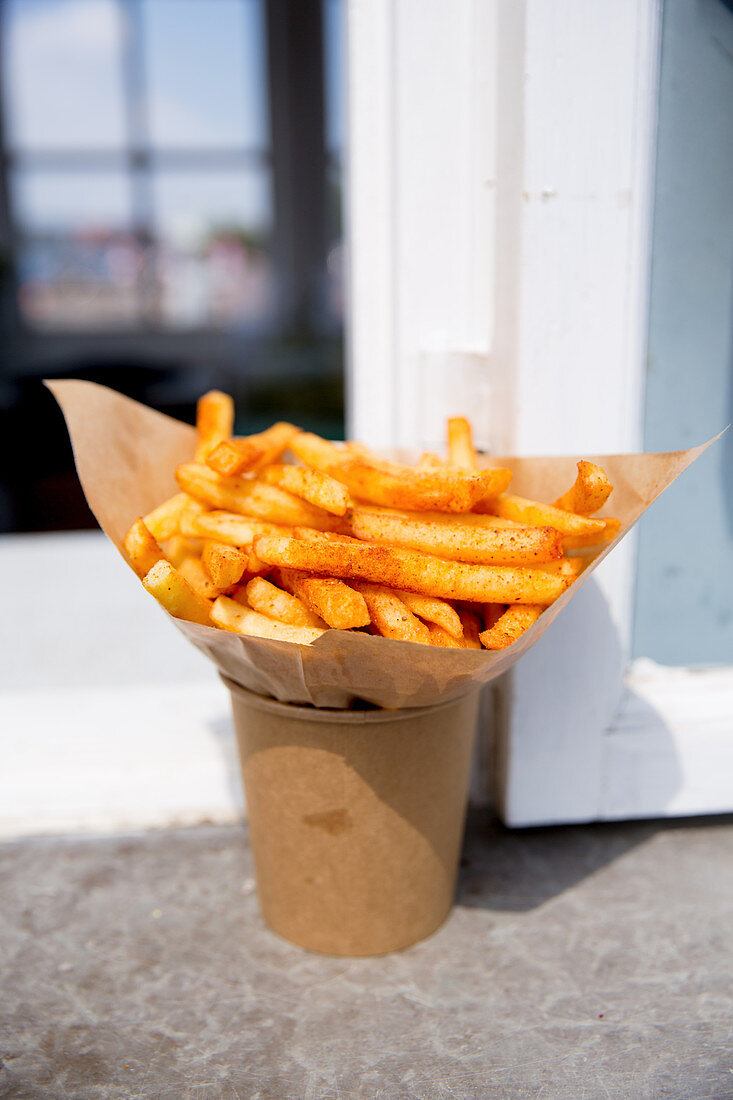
78	264
63	73
81	202
333	42
78	283
213	231
205	72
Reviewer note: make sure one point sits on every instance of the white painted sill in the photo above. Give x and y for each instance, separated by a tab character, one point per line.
110	721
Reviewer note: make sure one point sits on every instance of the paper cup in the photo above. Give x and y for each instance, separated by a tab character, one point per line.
356	818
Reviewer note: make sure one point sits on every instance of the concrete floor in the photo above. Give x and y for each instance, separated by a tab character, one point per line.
579	962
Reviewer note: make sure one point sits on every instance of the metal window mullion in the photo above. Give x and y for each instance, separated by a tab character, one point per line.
9	306
138	157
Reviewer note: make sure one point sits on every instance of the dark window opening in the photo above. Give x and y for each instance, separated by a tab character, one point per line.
170	182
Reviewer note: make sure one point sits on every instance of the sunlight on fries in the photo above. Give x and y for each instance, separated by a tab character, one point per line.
438	553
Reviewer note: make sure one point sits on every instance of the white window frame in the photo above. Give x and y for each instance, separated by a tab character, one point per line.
499	185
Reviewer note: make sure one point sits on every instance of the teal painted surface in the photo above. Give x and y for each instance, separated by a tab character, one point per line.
684	599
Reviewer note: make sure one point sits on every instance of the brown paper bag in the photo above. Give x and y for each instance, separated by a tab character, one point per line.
126	455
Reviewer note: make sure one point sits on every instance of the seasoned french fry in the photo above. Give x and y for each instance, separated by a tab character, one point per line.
214	421
230	527
162	522
309	534
492	613
460	444
589	492
441	637
178	547
233	456
271	601
255	566
433	610
429	553
391	616
414	571
193	571
467	519
545	515
142	549
565	567
456	540
248	497
224	564
176	595
230	615
429	460
510	626
333	601
471	629
441	489
611	528
317	488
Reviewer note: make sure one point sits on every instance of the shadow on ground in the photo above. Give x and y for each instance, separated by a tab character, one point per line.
517	870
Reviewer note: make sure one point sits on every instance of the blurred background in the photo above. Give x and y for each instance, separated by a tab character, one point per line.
170	220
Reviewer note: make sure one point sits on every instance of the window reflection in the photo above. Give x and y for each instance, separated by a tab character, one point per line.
204	73
213	231
62	65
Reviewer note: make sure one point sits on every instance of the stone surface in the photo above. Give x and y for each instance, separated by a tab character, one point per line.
579	962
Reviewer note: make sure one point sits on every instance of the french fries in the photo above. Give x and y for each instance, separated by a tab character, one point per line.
510	626
224	564
175	594
535	514
230	615
455	540
391	616
460	443
248	497
438	554
231	457
214	421
271	601
333	601
312	485
163	521
413	571
444	489
589	492
142	549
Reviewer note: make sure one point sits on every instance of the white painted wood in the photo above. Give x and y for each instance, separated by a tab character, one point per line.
590	79
109	718
117	757
370	221
670	749
75	616
421	182
514	150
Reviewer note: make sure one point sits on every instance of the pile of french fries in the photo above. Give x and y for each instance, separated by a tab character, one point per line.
437	553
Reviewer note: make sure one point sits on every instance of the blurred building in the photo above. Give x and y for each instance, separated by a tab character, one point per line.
169	219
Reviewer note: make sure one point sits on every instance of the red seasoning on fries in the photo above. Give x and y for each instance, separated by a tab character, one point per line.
440	553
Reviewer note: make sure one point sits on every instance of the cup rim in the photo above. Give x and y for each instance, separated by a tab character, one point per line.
307	713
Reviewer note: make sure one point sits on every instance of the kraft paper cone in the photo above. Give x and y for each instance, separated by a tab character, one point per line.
355	818
126	454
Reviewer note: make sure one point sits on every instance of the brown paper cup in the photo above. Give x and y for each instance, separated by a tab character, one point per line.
356	818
